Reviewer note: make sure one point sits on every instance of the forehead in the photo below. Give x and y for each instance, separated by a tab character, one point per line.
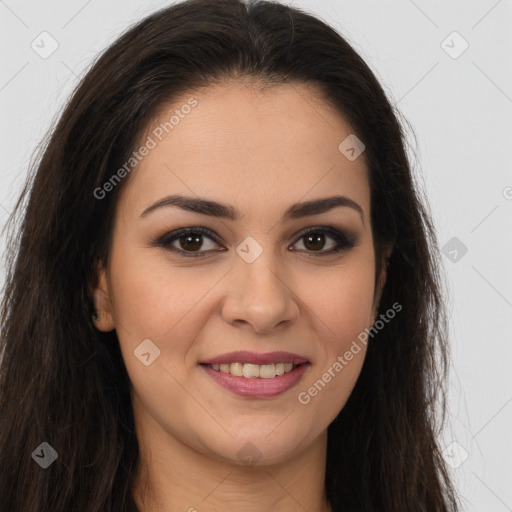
249	147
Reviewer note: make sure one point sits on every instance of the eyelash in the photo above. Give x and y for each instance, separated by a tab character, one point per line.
344	242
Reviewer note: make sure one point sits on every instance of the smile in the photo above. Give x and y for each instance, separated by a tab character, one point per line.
257	381
255	371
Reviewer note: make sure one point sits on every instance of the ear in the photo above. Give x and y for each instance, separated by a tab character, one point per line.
104	318
381	281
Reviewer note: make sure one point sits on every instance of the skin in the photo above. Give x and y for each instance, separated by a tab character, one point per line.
259	151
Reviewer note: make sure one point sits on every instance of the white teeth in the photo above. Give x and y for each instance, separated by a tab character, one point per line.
267	371
253	371
236	369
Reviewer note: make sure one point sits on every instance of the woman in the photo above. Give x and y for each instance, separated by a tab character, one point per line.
225	291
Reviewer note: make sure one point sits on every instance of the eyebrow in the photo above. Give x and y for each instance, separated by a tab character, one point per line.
224	211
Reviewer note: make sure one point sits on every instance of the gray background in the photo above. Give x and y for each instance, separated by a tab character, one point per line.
460	107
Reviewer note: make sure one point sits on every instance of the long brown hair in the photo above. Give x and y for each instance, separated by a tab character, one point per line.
63	382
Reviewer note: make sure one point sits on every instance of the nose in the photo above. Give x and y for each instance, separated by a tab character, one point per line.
259	298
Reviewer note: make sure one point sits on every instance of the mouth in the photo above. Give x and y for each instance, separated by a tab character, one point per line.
255	371
254	375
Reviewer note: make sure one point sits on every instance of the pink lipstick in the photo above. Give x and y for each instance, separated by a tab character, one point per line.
256	375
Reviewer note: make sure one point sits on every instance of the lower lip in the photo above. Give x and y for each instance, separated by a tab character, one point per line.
257	387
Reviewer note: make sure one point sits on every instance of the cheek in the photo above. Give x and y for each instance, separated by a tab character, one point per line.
164	303
151	296
340	311
341	304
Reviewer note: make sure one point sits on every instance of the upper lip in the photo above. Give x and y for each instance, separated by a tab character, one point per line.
244	356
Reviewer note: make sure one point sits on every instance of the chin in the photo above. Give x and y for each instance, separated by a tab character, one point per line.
260	447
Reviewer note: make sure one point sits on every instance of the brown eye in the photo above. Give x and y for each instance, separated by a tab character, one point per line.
314	240
191	242
188	241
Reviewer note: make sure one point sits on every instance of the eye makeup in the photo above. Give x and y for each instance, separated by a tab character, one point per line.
194	237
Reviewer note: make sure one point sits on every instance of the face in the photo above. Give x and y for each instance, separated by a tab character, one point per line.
286	285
